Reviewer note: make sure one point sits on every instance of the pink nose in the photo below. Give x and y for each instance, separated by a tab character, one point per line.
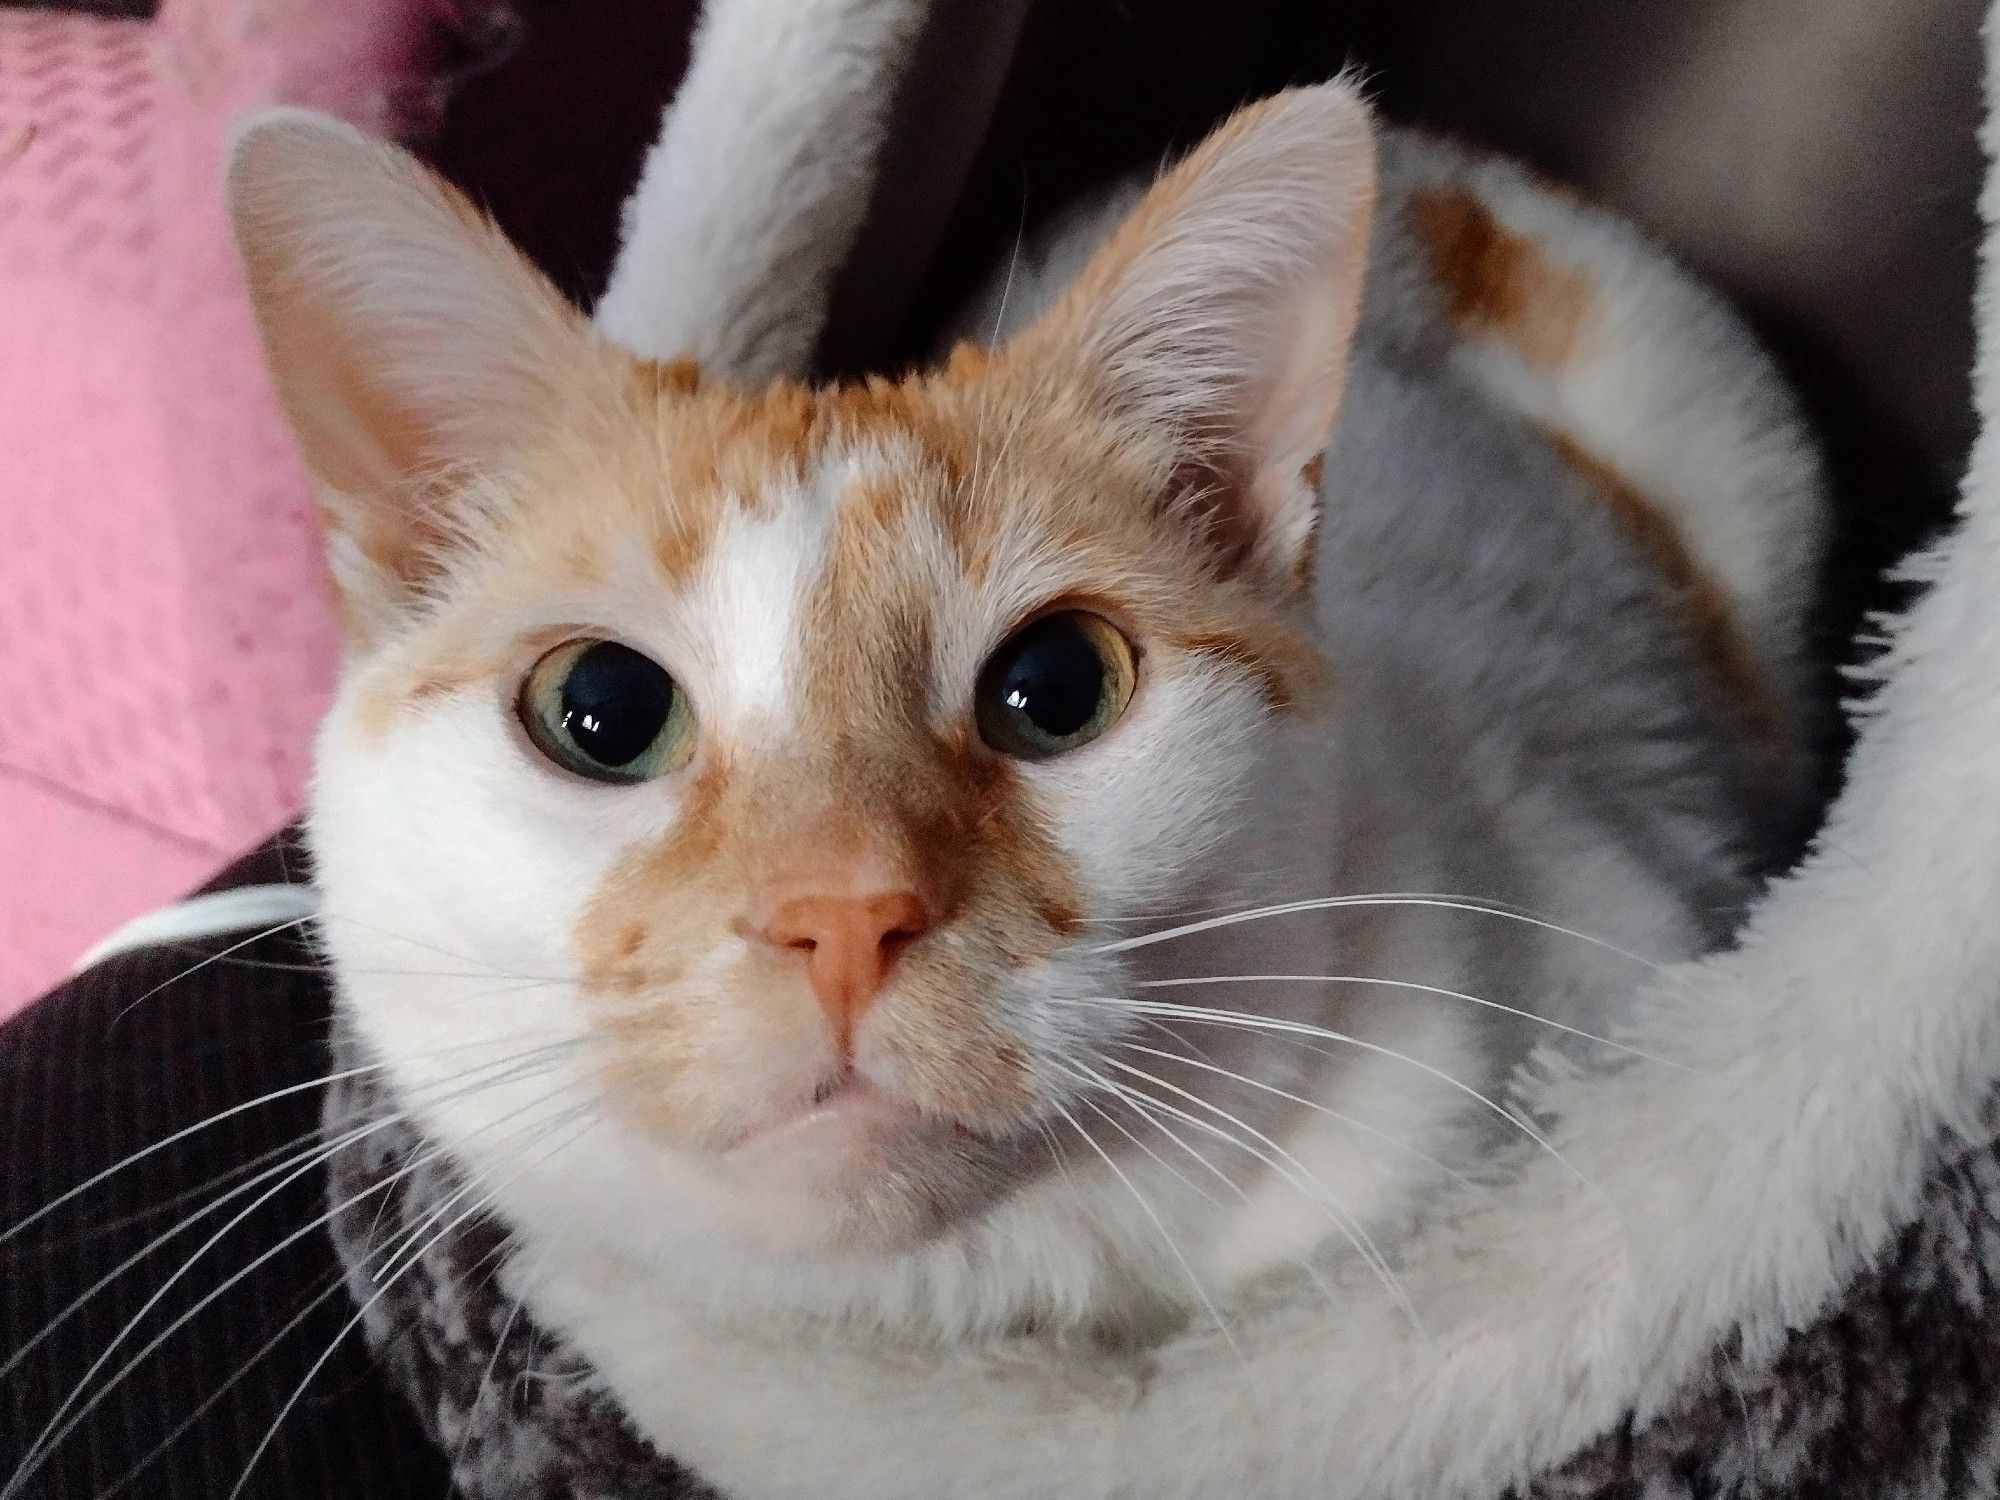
850	943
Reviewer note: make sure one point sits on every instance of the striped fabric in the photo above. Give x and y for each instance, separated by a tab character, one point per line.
127	1055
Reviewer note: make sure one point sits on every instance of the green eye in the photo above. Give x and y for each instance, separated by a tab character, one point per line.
604	711
1054	685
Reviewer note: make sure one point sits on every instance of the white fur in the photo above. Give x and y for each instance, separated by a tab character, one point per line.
753	584
756	189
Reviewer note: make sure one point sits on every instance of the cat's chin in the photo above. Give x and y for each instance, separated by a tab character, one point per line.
856	1172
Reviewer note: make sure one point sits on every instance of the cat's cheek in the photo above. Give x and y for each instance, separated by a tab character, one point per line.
460	821
452	871
1138	810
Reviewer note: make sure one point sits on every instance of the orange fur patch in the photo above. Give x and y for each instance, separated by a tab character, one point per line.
446	668
1500	283
677	377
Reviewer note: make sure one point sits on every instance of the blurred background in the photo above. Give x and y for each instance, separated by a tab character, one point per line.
166	636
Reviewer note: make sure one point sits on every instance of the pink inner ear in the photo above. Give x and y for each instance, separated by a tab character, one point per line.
169	636
1296	410
1224	307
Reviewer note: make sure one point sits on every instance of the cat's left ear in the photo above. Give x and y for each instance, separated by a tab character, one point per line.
1219	317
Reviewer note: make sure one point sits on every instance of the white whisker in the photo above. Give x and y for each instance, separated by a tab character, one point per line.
492	1364
330	1287
1013	265
1284	1163
1208	1017
1145	1107
99	1229
1410	986
289	1091
486	969
1151	1213
195	968
1390	899
516	1068
1360	1126
1061	1158
359	971
1095	1080
62	1423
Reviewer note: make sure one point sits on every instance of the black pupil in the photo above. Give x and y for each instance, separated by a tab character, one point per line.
614	703
1054	677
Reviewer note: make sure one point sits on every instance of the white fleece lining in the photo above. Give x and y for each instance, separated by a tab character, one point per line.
242	909
756	189
1858	1019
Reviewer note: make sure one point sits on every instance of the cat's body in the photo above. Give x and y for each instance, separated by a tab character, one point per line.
1512	667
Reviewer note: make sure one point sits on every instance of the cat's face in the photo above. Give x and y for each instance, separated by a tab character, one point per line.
751	779
895	718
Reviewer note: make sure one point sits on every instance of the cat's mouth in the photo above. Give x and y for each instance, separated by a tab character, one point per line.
866	1168
846	1114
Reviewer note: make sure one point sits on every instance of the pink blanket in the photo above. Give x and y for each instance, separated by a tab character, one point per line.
166	634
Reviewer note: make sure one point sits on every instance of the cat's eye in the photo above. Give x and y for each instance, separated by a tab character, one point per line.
1055	684
607	712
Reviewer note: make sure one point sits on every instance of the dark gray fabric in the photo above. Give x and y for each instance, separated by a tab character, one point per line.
221	1044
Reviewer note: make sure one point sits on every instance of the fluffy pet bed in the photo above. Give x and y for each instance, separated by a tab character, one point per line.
1782	1281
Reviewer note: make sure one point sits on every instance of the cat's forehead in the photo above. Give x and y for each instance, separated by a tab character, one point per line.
838	575
840	580
856	508
972	457
826	563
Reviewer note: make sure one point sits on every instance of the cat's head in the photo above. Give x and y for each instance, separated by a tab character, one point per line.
751	778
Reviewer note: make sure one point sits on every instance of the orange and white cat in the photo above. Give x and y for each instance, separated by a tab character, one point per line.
1040	844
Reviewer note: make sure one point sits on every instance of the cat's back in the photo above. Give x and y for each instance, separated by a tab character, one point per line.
1566	324
1510	663
1570	504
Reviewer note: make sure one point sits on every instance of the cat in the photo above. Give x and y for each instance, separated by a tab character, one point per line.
1054	842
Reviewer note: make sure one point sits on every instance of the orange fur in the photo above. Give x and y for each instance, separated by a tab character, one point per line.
1499	283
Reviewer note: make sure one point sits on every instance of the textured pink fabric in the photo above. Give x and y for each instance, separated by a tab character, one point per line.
166	636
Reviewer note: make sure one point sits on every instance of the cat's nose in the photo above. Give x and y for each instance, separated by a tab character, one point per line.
850	943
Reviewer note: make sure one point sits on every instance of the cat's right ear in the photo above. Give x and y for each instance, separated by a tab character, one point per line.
1218	318
409	342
